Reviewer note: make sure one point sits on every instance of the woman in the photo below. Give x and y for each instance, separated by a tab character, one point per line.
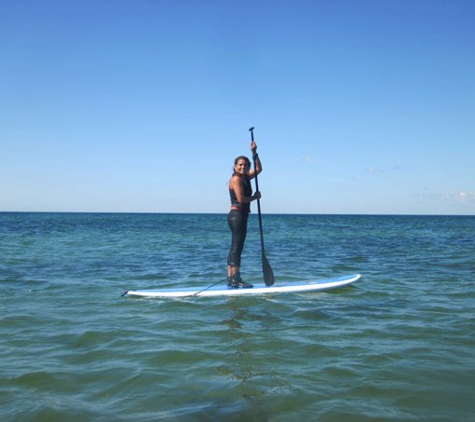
240	192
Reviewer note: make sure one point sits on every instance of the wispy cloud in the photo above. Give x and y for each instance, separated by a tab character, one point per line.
373	170
464	197
307	159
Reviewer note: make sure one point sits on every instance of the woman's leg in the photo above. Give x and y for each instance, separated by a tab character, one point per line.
237	221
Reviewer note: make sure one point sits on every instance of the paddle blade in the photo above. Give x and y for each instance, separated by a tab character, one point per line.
267	270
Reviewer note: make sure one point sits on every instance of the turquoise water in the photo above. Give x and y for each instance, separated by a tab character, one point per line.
396	346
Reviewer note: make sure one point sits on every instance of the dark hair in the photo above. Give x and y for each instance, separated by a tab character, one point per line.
243	157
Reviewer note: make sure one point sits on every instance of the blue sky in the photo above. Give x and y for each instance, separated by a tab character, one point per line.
133	105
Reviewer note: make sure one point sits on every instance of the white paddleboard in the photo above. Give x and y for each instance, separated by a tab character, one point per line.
258	289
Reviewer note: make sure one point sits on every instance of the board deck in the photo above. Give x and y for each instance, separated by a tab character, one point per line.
258	289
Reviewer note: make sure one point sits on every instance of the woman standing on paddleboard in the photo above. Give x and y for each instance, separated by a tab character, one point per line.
240	192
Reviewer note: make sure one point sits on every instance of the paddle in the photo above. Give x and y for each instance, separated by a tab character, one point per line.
266	268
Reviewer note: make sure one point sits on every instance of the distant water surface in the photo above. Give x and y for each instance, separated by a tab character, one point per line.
396	346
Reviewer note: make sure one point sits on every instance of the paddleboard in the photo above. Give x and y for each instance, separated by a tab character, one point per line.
258	289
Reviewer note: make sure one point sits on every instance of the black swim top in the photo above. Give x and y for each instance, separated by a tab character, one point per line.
247	192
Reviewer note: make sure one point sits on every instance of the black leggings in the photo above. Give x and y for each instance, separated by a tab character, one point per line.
237	221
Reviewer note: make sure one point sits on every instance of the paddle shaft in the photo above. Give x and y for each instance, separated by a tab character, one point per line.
258	200
266	268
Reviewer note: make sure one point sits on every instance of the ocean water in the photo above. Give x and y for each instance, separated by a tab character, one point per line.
398	345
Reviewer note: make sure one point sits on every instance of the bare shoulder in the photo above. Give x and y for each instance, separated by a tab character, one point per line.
235	179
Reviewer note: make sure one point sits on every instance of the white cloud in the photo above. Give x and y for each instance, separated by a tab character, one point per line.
465	197
462	197
373	170
308	160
